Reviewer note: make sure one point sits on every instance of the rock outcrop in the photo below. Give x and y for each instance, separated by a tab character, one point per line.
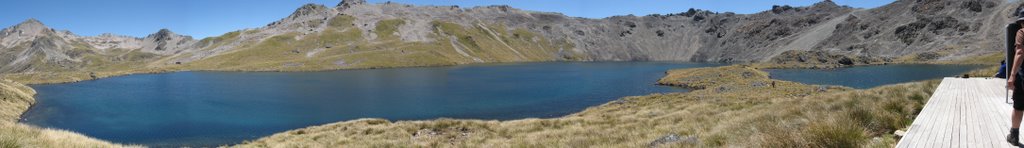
906	27
166	42
349	3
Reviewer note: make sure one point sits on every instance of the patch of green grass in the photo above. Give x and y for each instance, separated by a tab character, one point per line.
341	21
214	42
386	29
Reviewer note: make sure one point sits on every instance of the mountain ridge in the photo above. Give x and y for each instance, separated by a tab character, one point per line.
366	35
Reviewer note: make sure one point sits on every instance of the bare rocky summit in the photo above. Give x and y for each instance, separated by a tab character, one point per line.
357	34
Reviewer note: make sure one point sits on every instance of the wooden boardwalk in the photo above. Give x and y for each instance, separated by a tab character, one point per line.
962	113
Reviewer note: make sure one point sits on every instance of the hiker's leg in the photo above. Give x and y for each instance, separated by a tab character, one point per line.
1018	111
1013	137
1018	105
1016	117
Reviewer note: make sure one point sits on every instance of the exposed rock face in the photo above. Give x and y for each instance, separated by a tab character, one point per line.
941	29
349	3
22	32
906	27
31	42
111	41
695	35
31	46
166	42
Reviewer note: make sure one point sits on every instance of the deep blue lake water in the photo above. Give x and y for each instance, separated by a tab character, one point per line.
870	76
218	108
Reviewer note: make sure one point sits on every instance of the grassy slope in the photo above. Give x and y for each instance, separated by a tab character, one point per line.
339	46
724	114
15	98
113	63
342	46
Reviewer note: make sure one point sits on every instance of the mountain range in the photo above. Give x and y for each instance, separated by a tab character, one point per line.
357	34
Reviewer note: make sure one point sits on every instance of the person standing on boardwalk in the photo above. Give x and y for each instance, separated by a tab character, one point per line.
1014	83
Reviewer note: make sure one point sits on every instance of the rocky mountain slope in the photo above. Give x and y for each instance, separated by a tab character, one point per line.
935	29
356	34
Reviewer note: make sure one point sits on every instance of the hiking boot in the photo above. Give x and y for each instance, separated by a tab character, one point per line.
1012	139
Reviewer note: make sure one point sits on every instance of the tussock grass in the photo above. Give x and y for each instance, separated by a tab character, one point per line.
13	135
15	99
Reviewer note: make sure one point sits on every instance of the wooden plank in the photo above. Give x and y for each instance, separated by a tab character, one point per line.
930	135
962	107
991	118
976	138
962	113
955	106
959	127
912	137
977	107
944	123
951	117
963	128
920	133
986	109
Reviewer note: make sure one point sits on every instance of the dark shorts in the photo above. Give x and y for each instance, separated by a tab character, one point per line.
1018	93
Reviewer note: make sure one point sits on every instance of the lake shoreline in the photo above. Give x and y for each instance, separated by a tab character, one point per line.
30	79
71	77
487	92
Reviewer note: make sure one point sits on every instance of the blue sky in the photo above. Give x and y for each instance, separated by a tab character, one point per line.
204	18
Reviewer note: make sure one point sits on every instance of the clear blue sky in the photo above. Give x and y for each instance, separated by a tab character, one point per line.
203	18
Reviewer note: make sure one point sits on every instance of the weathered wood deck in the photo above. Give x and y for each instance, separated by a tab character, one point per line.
962	113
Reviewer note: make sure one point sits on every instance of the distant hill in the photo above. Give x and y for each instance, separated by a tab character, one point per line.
356	34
